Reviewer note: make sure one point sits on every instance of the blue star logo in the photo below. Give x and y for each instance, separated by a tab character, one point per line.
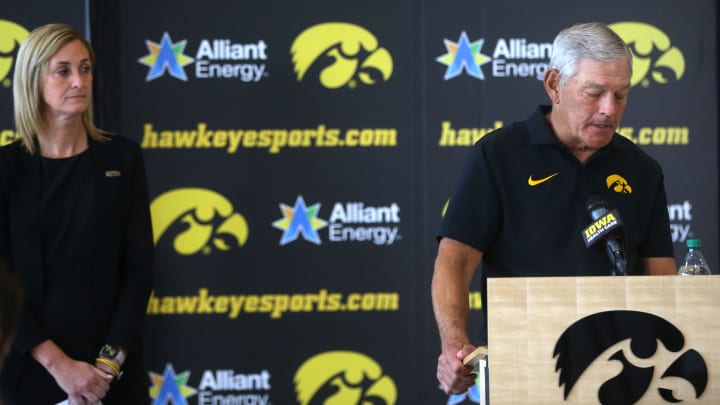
298	220
170	387
166	56
464	55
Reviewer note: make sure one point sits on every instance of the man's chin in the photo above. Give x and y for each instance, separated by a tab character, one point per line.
600	139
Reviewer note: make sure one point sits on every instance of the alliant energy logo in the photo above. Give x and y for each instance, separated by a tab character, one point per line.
511	58
354	222
348	222
464	55
216	387
215	58
680	221
170	388
200	220
166	57
343	377
229	387
11	36
340	54
300	220
654	57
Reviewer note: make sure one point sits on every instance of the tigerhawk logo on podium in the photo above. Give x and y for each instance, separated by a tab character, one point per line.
11	36
200	220
343	377
340	54
653	54
629	340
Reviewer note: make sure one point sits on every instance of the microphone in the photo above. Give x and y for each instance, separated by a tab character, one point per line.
607	226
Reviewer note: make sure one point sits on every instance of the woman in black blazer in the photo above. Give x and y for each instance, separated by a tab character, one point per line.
75	228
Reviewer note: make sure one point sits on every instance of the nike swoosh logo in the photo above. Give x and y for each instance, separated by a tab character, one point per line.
533	183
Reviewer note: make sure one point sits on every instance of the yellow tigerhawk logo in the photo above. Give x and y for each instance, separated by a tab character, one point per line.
347	52
11	36
207	217
653	54
343	378
618	184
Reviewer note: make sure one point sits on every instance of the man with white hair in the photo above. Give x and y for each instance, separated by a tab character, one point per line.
521	203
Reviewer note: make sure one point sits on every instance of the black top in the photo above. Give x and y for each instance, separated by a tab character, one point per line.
67	197
522	200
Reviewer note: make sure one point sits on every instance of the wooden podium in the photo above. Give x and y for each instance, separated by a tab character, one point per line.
611	340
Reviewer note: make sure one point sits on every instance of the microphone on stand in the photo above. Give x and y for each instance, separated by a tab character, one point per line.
607	227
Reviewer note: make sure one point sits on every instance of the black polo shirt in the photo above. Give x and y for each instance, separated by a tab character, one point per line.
522	198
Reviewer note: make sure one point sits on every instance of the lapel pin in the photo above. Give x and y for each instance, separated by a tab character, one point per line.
112	173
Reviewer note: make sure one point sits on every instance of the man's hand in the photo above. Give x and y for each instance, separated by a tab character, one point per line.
454	377
454	268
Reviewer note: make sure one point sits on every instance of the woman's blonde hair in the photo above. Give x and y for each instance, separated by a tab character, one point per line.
31	64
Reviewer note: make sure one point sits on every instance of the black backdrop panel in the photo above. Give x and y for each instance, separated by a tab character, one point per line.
309	215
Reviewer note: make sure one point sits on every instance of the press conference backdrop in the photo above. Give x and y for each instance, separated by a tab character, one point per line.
300	155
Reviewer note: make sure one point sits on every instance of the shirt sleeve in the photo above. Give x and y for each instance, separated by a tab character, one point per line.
475	211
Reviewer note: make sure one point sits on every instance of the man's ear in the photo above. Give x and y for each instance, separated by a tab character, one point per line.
551	80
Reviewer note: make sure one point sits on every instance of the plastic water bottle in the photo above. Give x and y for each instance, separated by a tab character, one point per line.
694	263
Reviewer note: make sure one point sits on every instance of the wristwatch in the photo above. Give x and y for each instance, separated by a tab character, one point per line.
113	353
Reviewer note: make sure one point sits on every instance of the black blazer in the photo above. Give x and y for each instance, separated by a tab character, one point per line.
121	243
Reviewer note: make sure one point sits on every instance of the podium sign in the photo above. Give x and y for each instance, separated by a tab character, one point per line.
604	340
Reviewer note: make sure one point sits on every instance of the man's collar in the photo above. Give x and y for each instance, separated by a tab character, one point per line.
541	132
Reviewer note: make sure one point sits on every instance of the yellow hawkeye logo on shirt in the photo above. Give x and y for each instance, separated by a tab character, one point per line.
618	184
532	182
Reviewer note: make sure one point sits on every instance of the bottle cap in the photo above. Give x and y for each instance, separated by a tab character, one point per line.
694	243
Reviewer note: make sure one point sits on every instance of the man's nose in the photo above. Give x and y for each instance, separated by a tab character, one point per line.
608	105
